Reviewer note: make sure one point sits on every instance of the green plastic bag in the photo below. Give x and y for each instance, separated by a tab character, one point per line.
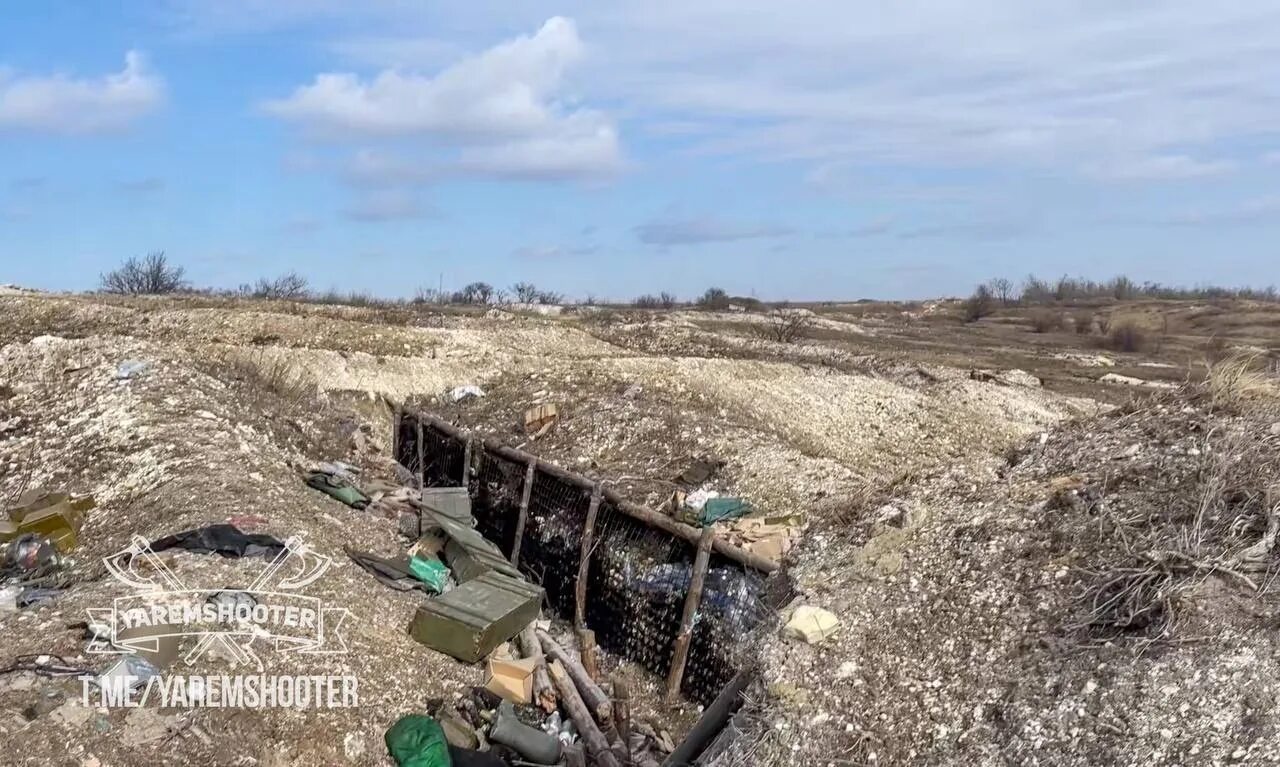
432	572
418	741
337	488
720	509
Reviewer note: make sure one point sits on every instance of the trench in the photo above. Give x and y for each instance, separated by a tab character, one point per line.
640	564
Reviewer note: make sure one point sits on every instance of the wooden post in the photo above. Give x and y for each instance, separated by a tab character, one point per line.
622	713
680	653
529	474
422	463
584	559
466	464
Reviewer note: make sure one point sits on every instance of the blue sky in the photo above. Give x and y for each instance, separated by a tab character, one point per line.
809	150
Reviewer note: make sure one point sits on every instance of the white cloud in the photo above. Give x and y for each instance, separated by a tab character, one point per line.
993	84
502	112
554	251
142	185
667	232
1260	210
386	205
962	83
58	103
1174	167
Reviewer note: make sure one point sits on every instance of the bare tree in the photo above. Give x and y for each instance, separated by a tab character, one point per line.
667	300
150	275
1002	287
789	325
288	286
525	292
475	293
714	298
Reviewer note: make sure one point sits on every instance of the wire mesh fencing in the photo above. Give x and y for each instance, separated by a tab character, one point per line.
638	576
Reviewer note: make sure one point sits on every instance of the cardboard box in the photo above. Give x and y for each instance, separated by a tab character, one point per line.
537	417
511	679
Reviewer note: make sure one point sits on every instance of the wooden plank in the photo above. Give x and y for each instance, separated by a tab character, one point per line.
584	559
521	520
680	652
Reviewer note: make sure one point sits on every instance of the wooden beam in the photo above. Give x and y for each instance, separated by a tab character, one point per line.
680	652
521	520
584	559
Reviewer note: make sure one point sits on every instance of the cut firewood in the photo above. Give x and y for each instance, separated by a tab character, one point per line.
595	699
597	745
544	693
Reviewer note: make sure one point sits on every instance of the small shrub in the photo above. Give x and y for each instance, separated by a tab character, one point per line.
287	287
1046	321
1082	323
1216	349
1127	336
981	304
789	325
150	275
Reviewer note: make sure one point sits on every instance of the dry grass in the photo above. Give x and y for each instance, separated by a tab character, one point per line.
1239	382
268	374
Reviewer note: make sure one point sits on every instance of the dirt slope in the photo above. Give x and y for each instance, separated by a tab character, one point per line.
206	434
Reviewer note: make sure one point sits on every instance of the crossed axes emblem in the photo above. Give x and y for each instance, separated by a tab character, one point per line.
121	565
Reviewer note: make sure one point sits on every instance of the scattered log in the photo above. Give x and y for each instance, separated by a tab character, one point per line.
544	693
596	743
590	692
